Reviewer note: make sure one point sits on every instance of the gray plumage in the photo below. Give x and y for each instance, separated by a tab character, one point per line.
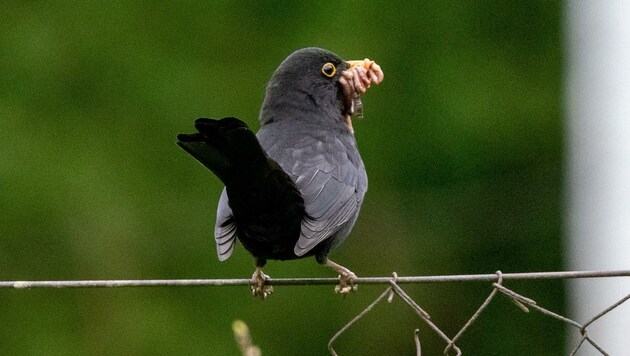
296	187
304	133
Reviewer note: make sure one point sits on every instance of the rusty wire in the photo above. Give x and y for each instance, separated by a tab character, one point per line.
393	289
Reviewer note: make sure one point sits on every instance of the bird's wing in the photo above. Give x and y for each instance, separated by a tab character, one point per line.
330	203
224	229
331	178
329	173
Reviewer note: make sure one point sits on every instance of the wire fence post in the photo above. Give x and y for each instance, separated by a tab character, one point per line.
598	153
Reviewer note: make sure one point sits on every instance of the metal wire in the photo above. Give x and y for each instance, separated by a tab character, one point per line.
308	281
393	289
519	300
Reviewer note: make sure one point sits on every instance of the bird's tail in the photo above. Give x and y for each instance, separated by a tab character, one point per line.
227	147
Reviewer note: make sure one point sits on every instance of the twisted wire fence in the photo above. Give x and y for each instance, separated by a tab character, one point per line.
393	289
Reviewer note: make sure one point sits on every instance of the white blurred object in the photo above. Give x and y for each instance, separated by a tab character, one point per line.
598	153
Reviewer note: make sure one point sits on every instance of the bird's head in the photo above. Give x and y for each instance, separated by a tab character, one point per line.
315	84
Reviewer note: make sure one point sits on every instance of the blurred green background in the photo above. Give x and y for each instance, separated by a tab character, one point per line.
462	143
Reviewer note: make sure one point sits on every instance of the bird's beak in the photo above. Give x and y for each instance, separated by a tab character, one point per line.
354	81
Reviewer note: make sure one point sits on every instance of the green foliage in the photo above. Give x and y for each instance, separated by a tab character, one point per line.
462	142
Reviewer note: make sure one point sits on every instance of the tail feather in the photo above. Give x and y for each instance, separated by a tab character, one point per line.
227	147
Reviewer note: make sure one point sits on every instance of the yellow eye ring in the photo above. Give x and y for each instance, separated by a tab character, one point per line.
329	70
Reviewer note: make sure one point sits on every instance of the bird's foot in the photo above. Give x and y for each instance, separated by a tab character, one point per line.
346	283
258	287
346	278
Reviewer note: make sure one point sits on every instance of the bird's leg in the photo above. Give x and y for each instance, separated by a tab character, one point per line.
259	289
346	278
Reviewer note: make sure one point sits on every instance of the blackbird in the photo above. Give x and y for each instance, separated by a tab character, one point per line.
295	188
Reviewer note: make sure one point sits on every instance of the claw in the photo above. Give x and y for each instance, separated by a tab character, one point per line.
258	287
346	278
346	283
